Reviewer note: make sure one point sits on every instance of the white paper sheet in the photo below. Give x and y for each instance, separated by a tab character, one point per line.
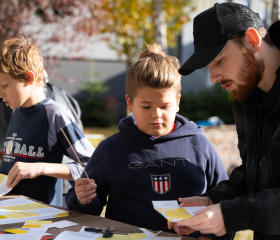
163	238
22	209
62	224
3	185
172	212
69	235
148	233
20	236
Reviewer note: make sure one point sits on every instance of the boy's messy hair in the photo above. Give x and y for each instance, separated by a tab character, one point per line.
17	56
153	69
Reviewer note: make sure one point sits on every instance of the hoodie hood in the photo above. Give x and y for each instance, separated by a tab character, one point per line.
183	128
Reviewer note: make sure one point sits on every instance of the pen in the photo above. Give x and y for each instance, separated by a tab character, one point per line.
90	229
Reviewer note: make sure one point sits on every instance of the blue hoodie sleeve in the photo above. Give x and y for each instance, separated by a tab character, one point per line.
97	169
215	170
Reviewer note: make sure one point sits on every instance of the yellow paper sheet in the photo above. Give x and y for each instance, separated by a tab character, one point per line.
136	236
22	214
25	207
2	177
16	231
116	237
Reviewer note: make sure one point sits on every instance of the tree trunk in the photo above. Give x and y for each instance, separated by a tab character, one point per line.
160	25
275	11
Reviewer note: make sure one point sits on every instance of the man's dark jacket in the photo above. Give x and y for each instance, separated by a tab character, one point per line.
250	199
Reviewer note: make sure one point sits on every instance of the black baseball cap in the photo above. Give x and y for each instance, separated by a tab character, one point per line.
213	28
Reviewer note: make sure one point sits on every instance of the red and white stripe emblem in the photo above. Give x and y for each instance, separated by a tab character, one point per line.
161	183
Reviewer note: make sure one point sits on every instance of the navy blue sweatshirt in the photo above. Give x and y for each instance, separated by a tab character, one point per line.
133	169
34	135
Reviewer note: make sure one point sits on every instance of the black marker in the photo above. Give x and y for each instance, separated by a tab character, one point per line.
90	229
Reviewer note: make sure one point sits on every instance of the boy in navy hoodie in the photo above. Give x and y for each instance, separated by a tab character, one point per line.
156	155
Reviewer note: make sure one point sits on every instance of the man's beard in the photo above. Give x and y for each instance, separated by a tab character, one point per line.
251	73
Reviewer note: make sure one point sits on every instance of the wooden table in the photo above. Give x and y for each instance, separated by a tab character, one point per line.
84	219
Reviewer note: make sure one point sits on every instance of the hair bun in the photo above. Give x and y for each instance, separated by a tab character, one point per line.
151	50
274	32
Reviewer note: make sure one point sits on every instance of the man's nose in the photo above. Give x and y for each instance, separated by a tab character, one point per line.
215	77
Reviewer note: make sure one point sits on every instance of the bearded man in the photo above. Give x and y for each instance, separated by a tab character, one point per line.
242	57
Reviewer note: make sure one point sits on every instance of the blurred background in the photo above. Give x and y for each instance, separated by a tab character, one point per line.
87	46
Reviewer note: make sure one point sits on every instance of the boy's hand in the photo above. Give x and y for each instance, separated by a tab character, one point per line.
22	170
85	190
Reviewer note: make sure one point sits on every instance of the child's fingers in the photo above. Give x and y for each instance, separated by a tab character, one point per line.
169	225
83	181
85	197
13	180
11	177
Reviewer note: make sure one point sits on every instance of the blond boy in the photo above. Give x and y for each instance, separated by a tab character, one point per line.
34	143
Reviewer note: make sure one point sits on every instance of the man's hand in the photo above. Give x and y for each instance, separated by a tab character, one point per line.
22	170
180	230
207	220
195	201
85	190
189	202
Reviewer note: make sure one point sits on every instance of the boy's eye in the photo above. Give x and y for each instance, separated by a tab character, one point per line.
146	107
164	107
3	86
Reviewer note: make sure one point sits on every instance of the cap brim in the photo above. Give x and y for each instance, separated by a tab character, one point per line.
201	58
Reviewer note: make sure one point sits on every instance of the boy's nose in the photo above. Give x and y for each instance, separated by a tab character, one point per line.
156	113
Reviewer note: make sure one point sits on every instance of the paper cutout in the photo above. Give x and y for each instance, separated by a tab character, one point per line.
25	207
35	223
172	212
148	233
22	209
61	224
70	235
179	213
163	238
3	185
116	237
20	237
16	231
22	215
65	214
136	236
39	222
31	226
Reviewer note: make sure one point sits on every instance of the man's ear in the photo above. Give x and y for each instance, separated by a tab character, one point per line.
129	103
30	77
253	38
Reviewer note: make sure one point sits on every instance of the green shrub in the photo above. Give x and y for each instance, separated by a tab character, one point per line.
97	110
215	101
